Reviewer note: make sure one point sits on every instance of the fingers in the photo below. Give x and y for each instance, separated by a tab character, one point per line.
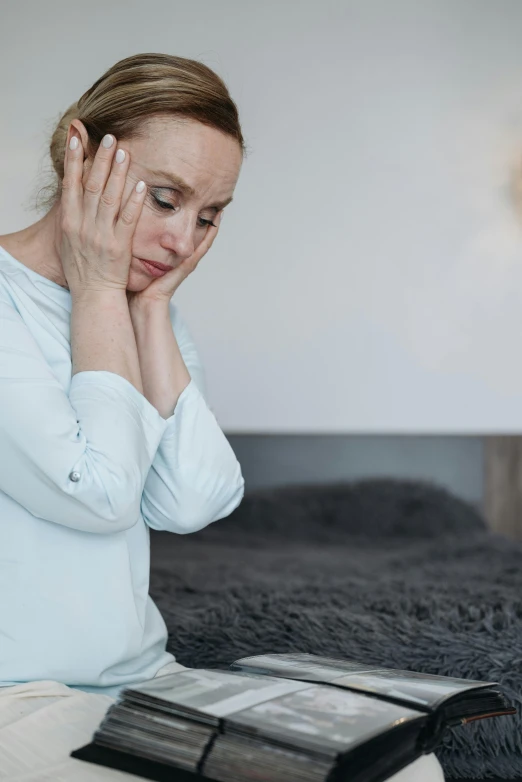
72	188
130	213
104	188
207	242
204	246
94	187
109	204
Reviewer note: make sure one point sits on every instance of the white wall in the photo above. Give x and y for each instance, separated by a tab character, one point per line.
368	275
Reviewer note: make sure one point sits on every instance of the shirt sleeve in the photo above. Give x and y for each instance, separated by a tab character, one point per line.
195	478
80	460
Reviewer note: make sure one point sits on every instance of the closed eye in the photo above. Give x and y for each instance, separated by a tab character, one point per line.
165	205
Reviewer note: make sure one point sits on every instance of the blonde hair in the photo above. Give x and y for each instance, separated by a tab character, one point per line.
135	90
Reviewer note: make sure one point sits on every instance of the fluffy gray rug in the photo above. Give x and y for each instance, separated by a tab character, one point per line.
391	573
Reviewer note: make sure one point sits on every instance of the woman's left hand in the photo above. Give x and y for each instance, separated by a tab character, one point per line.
163	288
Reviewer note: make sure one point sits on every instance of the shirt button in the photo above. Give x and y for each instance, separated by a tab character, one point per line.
74	476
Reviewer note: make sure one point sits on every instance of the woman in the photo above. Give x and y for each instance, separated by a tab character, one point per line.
112	435
105	428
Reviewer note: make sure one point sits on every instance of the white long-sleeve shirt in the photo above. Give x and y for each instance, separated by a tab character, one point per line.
87	465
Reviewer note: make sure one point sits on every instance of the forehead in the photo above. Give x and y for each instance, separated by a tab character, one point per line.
208	160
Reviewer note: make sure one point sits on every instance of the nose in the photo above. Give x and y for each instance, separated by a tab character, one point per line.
179	238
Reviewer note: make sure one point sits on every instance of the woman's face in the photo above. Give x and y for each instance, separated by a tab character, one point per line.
190	171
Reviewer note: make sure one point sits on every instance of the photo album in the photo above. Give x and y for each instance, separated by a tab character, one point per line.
285	718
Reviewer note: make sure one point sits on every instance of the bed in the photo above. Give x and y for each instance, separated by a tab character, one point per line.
395	573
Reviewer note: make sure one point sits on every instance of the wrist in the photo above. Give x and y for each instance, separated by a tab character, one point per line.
148	312
101	294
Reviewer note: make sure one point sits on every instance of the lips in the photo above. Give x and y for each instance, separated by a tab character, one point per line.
157	265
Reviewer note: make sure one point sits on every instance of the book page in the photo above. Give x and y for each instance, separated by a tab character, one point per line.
218	693
426	691
323	718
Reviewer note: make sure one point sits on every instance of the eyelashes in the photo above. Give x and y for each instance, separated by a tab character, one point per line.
166	205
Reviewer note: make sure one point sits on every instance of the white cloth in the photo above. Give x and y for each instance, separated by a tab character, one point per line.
87	466
43	722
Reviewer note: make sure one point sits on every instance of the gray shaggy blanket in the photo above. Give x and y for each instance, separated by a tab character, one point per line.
387	572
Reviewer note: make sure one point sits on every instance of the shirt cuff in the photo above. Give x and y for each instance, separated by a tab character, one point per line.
102	381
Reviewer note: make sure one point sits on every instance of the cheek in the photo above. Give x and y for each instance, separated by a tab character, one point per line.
199	235
148	230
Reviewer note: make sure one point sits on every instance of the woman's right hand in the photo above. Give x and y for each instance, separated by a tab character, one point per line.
97	230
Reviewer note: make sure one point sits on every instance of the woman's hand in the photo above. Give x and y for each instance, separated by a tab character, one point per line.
163	288
97	229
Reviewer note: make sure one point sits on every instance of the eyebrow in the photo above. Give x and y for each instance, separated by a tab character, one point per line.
185	188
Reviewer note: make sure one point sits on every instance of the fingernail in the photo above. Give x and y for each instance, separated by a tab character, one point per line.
140	186
107	141
73	143
120	156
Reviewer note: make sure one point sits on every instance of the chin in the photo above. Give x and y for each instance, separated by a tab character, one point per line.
138	281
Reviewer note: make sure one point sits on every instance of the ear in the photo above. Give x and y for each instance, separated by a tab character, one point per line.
80	130
78	126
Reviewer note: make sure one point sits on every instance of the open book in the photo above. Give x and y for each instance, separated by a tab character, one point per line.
285	718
